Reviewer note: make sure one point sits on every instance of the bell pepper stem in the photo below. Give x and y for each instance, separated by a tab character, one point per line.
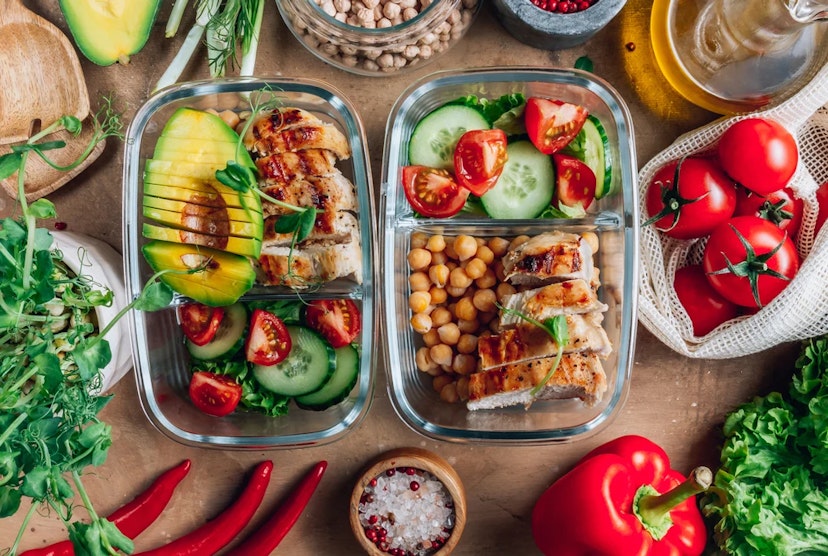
652	507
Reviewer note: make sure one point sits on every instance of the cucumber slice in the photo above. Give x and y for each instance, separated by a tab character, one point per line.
525	187
435	136
229	337
307	367
593	148
339	386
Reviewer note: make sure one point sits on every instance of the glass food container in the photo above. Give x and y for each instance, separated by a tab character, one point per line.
390	37
161	359
612	218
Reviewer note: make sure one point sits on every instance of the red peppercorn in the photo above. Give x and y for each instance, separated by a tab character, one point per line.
410	471
60	225
415	486
630	46
390	472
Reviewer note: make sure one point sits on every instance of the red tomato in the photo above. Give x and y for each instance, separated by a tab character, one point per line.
781	207
479	158
758	153
338	320
822	199
575	182
268	341
552	124
693	205
705	307
750	261
199	322
214	394
433	192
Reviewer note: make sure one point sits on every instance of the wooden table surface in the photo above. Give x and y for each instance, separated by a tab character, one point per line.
677	402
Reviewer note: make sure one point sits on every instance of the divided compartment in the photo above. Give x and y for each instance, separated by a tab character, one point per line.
161	359
613	219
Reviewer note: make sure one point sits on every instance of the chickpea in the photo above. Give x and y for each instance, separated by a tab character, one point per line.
438	295
419	301
475	268
449	393
591	239
441	354
449	250
419	258
485	254
484	300
418	240
431	338
499	246
440	381
421	323
230	118
439	274
439	258
419	281
484	317
436	244
465	247
459	279
468	326
423	360
463	388
504	289
465	309
449	333
488	280
455	292
440	316
518	241
467	344
464	364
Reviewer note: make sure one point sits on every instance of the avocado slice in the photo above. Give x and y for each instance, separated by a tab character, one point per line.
216	223
194	209
168	143
109	31
224	279
247	246
231	198
199	126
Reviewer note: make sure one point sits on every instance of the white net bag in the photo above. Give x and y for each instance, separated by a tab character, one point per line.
801	310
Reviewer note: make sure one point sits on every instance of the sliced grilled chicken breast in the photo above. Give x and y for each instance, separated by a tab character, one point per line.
549	257
579	375
568	297
326	193
294	129
289	166
335	226
310	263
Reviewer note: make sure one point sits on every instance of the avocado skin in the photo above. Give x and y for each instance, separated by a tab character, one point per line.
108	37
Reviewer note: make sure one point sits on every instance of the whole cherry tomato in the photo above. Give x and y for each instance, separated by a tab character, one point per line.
479	158
433	192
781	207
689	198
750	261
759	153
705	307
552	124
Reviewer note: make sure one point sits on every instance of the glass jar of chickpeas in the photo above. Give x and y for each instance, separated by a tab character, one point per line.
378	37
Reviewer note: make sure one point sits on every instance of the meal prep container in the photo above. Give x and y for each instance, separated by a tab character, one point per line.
613	218
161	359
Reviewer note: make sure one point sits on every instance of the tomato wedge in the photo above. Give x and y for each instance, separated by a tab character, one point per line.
552	124
433	192
338	320
479	158
268	341
575	182
214	394
200	322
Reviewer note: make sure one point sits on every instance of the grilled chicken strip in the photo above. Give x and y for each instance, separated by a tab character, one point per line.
293	129
579	375
568	297
310	263
326	193
549	257
339	226
288	166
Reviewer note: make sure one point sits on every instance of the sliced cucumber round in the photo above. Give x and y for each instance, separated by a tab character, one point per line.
307	368
435	136
229	337
525	187
339	386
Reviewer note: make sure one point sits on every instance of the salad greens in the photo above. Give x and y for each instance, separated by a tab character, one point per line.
772	487
51	354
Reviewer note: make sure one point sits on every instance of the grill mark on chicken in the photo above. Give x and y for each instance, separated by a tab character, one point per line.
289	166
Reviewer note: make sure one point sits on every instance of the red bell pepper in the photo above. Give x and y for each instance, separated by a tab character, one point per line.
622	499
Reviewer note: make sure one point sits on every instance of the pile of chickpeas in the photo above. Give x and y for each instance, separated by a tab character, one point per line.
456	284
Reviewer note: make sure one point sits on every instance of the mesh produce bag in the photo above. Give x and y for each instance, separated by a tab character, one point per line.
801	310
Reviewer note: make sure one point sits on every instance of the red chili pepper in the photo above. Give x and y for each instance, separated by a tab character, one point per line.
271	533
622	499
135	516
216	533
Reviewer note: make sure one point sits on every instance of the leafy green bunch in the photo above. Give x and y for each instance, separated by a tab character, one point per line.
51	355
771	492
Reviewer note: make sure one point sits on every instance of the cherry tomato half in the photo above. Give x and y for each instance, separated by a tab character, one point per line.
552	124
200	322
479	158
214	394
759	153
574	182
705	307
338	320
268	341
693	204
762	261
781	207
433	192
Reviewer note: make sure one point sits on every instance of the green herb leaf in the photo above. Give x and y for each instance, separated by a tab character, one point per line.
91	357
36	483
237	177
584	63
9	501
155	296
43	208
9	164
72	124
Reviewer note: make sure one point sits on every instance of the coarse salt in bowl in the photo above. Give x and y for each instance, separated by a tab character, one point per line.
409	502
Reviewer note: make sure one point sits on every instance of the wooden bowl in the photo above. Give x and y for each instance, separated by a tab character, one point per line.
418	459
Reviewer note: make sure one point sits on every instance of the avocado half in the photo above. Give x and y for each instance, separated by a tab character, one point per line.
109	31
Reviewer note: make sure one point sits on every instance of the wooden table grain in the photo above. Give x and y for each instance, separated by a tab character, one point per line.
677	402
